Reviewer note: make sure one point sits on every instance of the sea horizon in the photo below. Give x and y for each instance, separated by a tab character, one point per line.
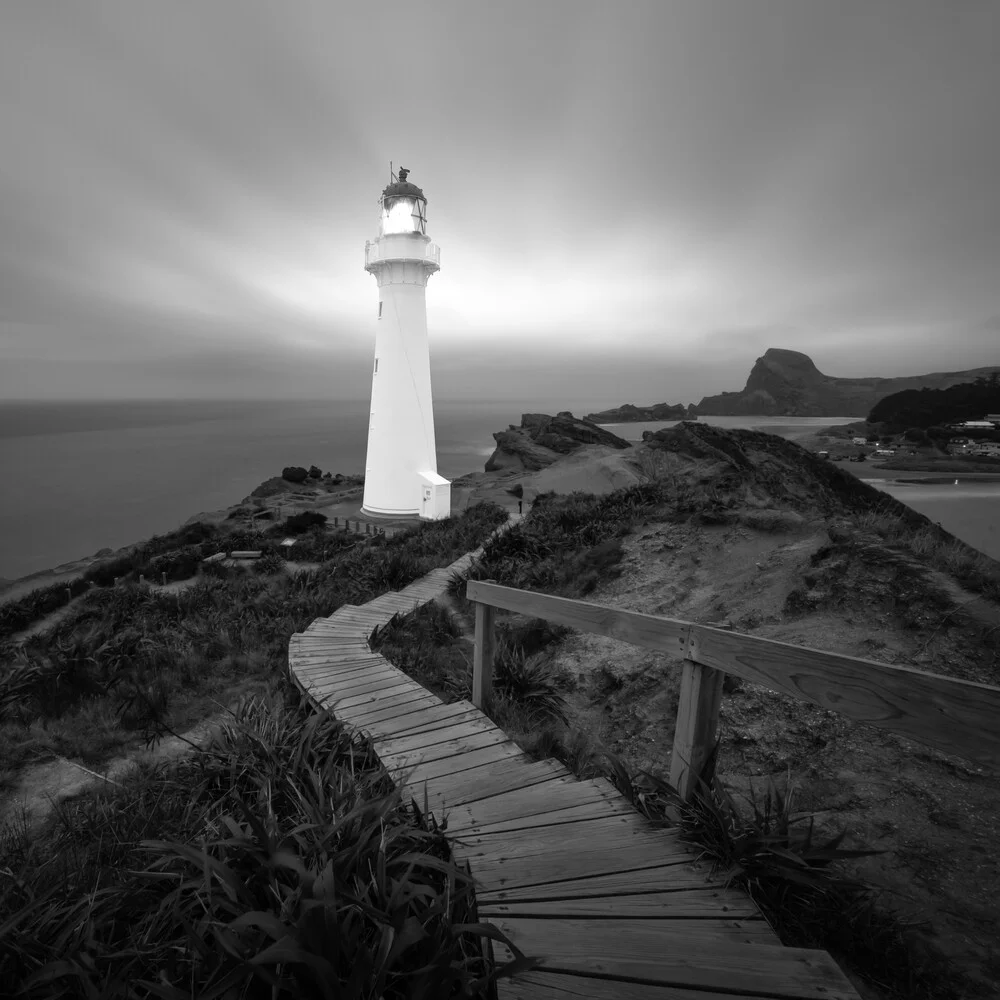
85	475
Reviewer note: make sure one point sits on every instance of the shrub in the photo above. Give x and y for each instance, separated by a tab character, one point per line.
294	474
315	472
299	523
271	563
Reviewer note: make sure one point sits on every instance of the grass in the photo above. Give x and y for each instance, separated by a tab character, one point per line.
427	645
131	657
973	569
278	862
794	877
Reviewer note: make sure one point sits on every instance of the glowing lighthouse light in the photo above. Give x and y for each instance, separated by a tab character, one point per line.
401	478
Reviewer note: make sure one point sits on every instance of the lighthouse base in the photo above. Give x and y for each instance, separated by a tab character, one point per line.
433	501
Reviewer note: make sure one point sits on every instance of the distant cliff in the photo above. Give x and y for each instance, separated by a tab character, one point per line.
542	440
788	384
629	414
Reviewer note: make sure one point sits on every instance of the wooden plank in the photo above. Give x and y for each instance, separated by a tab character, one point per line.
346	671
421	718
673	877
651	631
349	704
331	640
335	654
364	684
541	985
371	698
953	715
408	701
535	800
392	708
691	903
630	827
513	864
349	659
430	770
475	784
450	731
452	748
399	727
698	707
482	656
600	809
645	950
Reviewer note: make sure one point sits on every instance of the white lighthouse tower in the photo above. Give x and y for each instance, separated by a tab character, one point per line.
401	478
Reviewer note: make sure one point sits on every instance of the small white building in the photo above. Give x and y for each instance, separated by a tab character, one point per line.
859	440
983	425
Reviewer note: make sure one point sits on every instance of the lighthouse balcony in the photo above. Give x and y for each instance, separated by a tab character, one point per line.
402	249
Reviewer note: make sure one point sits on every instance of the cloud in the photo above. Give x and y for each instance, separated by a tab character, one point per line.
645	196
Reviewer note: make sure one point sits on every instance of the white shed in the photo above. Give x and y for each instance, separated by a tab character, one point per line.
435	496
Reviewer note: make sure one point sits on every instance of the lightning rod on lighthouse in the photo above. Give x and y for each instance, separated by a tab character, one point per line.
401	478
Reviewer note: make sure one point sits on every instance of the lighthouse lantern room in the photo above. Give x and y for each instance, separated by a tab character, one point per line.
401	478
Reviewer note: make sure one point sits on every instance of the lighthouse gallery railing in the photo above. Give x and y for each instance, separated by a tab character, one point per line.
431	252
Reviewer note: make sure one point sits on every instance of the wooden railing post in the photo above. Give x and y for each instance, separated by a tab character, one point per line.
482	658
697	721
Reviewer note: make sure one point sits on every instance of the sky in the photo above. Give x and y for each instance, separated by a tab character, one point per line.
633	200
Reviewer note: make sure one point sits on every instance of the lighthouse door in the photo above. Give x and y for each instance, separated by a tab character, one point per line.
425	503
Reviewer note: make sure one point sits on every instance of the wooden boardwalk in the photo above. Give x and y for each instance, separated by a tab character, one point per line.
616	908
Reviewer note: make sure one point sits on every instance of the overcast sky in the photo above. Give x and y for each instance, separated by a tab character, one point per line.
633	200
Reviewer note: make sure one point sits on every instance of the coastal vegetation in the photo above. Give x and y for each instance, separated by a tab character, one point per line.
277	862
932	408
131	658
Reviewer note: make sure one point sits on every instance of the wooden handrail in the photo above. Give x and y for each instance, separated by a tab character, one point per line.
952	715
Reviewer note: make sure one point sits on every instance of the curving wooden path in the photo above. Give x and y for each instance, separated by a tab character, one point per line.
566	868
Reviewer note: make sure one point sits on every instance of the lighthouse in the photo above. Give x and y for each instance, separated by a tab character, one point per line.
401	478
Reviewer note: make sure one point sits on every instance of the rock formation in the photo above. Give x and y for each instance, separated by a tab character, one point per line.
542	440
787	383
630	414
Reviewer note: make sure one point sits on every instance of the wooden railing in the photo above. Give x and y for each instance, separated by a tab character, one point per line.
955	716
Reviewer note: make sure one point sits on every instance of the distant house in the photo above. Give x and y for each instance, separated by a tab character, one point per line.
988	448
993	418
984	425
859	441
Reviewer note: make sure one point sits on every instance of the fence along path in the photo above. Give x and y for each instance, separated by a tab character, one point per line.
616	908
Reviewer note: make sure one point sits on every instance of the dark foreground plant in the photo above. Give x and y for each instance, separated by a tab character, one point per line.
279	862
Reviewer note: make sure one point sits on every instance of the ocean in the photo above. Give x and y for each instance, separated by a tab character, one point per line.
79	477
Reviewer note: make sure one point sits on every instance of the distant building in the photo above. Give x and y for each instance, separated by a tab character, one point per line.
985	425
993	418
859	441
989	448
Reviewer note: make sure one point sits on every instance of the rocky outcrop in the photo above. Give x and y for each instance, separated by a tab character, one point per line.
631	414
277	485
542	440
787	383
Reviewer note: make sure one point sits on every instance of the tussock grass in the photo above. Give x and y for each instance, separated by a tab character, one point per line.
277	862
973	569
427	645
